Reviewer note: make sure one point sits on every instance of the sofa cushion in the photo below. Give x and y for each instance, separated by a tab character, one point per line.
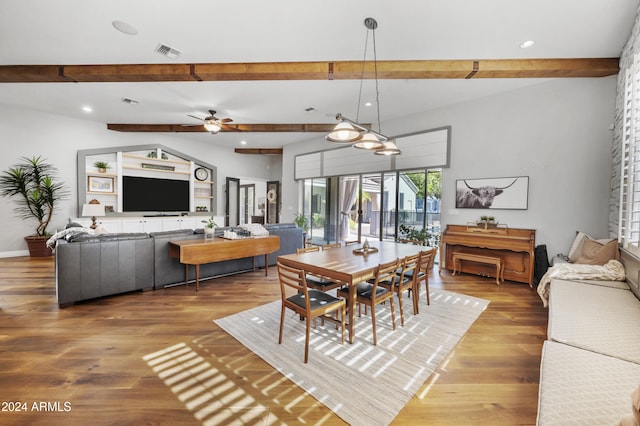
580	387
175	232
596	318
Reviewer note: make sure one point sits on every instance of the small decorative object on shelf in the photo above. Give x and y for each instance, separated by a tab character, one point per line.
209	227
102	166
202	209
154	154
487	222
158	167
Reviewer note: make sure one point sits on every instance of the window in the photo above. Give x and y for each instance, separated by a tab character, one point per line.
372	205
629	223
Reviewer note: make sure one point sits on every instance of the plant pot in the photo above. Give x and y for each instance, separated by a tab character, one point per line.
102	170
38	246
209	232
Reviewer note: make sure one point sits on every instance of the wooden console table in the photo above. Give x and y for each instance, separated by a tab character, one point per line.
514	246
198	252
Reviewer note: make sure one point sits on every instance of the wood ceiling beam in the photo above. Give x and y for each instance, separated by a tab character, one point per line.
251	128
338	70
276	151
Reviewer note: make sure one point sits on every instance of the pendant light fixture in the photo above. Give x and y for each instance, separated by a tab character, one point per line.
350	131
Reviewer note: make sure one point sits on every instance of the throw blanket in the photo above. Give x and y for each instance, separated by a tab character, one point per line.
51	242
611	271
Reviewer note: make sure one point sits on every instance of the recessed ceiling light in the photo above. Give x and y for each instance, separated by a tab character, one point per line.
124	28
368	104
87	108
243	142
526	44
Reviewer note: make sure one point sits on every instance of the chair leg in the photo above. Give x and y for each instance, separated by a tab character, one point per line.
281	324
401	308
344	314
306	341
393	313
416	300
426	284
373	323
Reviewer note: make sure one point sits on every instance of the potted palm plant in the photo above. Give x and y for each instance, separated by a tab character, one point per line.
33	183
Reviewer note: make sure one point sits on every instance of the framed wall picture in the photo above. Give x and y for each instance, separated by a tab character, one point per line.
493	193
100	184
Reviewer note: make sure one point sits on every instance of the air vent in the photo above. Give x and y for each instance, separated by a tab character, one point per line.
130	101
167	51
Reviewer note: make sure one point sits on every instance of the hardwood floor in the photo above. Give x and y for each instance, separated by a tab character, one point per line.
156	358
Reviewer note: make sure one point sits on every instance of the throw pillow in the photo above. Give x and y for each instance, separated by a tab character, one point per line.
596	253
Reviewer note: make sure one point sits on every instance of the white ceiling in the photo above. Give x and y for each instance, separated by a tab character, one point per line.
65	32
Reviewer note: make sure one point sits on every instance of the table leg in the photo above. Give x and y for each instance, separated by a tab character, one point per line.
351	312
266	265
186	274
197	276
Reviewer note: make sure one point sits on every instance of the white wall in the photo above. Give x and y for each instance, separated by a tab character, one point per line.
556	132
26	132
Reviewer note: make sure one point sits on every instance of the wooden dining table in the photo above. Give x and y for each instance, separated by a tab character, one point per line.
342	264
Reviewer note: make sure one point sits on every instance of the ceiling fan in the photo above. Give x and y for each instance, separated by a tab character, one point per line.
214	124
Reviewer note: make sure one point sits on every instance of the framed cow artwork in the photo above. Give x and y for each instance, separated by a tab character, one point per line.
493	193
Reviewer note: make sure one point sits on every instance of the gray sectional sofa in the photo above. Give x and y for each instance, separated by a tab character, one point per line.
91	266
591	359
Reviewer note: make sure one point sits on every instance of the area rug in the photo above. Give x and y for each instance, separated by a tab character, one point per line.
361	383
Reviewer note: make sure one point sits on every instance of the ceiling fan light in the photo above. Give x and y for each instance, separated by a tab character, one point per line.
212	126
343	133
369	141
390	148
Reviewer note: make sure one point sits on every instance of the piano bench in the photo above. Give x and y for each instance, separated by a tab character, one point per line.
491	260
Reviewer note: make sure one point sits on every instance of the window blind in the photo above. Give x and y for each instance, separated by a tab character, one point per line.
629	222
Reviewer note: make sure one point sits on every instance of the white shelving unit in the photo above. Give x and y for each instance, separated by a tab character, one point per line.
144	161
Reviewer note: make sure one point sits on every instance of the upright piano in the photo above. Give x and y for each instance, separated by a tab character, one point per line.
515	247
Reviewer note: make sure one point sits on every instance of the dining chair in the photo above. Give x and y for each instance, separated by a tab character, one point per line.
332	245
372	294
425	265
307	303
307	249
317	281
405	281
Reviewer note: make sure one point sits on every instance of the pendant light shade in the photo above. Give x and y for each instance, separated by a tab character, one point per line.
390	148
369	141
343	133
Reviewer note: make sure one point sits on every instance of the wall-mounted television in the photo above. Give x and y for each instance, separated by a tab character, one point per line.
142	194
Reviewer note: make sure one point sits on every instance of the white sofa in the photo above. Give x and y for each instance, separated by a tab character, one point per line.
591	359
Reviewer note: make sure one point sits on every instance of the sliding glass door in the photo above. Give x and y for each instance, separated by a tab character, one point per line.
373	205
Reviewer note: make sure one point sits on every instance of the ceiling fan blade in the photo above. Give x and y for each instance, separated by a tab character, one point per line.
226	120
228	128
193	116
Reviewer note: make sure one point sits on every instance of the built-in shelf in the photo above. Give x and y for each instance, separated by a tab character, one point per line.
101	193
134	161
148	169
163	160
